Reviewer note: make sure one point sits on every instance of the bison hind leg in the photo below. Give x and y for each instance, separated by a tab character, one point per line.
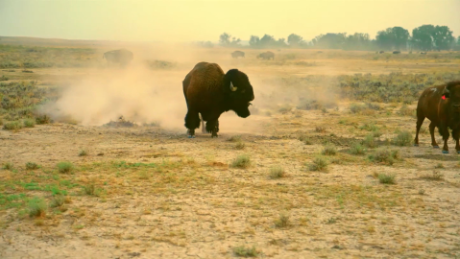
192	122
213	127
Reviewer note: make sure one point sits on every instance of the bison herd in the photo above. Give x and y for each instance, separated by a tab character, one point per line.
209	92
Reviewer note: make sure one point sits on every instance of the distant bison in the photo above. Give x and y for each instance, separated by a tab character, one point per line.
381	52
238	54
119	56
422	53
397	52
441	105
210	92
267	55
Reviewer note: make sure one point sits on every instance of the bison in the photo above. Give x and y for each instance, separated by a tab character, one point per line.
119	56
441	105
210	92
396	52
267	55
237	54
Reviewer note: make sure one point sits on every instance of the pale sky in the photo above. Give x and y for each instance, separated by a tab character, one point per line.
197	20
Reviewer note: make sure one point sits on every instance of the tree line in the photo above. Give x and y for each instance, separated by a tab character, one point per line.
423	38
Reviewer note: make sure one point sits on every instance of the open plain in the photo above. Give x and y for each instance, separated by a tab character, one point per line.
324	167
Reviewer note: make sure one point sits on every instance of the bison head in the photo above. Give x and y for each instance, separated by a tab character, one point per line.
239	92
452	91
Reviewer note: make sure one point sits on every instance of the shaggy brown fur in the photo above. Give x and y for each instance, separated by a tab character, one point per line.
444	113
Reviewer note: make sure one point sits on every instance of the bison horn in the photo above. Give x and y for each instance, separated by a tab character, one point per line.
233	88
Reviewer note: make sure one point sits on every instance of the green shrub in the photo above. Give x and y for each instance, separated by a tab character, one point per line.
242	161
319	164
243	251
404	138
37	207
29	123
277	172
384	156
357	149
57	201
369	141
240	145
329	150
387	178
31	166
12	125
64	167
8	166
43	119
282	221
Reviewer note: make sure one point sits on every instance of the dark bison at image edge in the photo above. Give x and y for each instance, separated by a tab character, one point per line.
210	92
441	105
237	54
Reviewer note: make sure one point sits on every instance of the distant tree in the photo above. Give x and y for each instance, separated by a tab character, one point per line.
330	41
357	41
254	41
422	37
393	38
295	40
205	44
457	46
227	40
224	39
267	41
443	38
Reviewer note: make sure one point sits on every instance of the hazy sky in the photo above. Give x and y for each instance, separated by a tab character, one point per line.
191	20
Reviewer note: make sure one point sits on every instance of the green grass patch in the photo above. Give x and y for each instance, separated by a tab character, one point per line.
243	251
65	167
241	161
29	123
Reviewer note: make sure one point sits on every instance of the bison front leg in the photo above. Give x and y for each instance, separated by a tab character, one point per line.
213	127
456	136
192	122
445	136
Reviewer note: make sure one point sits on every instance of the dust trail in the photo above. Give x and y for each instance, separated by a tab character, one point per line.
137	94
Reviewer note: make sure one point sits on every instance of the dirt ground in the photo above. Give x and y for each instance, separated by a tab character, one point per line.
150	192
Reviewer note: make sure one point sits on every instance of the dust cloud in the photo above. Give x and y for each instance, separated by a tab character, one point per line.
137	94
144	95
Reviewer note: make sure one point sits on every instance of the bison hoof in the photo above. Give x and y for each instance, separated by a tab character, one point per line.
458	152
191	136
445	152
415	145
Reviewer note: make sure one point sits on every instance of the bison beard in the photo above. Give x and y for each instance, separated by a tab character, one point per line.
210	92
441	105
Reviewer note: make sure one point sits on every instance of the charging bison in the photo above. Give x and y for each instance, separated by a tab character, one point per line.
238	54
210	92
441	105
